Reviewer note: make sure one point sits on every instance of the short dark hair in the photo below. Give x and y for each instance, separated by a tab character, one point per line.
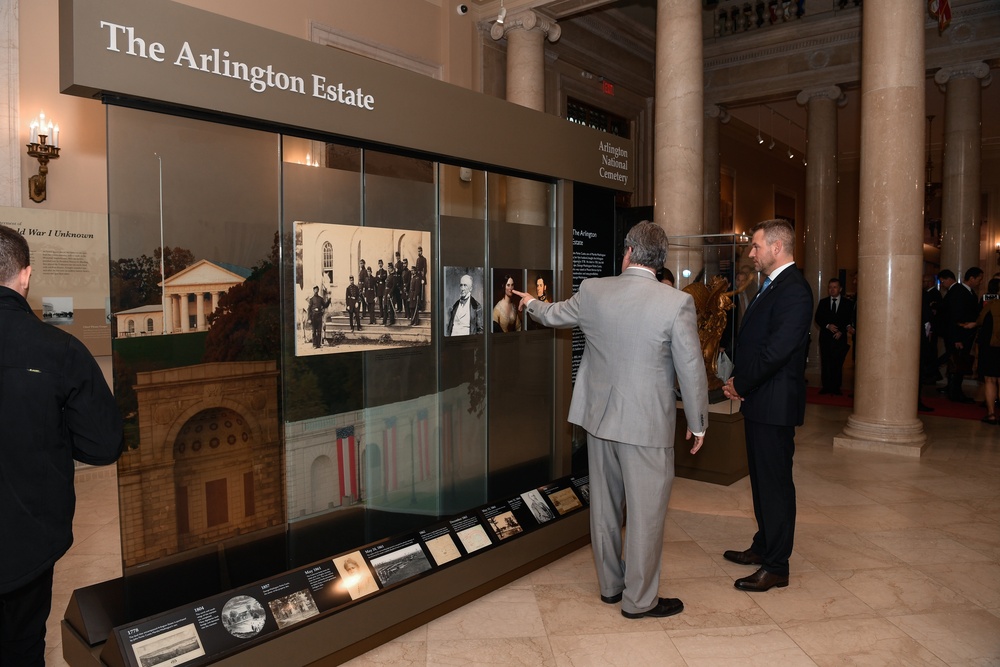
14	254
665	273
945	274
973	272
835	280
649	244
994	286
777	229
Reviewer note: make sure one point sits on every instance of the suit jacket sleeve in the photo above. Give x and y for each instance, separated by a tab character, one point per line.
689	364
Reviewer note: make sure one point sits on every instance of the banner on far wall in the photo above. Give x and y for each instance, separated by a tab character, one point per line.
69	271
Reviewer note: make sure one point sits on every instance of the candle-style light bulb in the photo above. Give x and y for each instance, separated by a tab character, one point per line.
55	137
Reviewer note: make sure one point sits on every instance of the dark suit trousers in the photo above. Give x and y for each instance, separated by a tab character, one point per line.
23	613
832	355
769	455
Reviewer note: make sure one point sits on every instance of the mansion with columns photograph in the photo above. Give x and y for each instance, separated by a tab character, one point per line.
189	296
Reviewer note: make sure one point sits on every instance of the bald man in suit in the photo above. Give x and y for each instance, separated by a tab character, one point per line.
769	379
641	336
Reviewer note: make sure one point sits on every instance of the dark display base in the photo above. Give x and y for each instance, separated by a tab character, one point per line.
723	457
340	636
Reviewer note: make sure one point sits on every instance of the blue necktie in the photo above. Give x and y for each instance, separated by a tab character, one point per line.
767	283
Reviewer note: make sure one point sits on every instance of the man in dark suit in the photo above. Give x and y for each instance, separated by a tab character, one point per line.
352	299
835	319
769	379
641	335
961	306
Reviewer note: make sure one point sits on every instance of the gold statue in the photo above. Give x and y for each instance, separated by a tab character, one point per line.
712	302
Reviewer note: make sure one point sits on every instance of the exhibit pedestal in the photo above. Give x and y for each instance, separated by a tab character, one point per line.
722	459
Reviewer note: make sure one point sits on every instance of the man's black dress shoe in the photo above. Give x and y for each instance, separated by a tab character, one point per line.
611	599
761	581
924	408
665	607
743	557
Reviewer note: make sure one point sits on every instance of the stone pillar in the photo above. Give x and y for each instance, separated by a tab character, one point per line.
526	32
199	300
678	133
11	143
960	182
714	115
821	193
185	323
890	247
168	313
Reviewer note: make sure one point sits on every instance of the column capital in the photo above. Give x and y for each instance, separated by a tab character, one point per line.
828	92
717	111
978	70
527	20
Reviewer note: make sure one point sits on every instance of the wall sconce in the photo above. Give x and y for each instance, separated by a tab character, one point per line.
41	150
998	252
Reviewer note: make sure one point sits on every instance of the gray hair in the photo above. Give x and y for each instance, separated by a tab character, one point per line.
649	244
14	254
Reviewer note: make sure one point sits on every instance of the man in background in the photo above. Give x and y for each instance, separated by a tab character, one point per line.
317	307
55	407
835	319
640	338
769	379
961	307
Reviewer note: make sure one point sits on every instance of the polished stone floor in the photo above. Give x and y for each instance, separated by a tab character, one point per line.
896	562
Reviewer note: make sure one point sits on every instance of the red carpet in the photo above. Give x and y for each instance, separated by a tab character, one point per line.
942	406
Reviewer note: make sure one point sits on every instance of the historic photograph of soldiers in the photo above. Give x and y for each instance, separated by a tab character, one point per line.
463	301
361	288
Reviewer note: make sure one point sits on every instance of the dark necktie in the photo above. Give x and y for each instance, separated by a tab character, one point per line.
833	306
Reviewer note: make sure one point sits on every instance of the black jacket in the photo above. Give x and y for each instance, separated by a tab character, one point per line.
54	407
770	361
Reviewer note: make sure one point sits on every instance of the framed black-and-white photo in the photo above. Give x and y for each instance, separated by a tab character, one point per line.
465	314
360	288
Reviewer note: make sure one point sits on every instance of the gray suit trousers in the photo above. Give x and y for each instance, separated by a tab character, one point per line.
640	477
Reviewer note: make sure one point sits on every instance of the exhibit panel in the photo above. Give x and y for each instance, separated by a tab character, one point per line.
311	443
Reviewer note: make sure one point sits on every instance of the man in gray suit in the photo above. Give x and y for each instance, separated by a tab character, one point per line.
641	335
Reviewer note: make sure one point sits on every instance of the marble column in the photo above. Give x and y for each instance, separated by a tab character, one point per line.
821	193
168	313
960	182
10	124
714	115
199	300
890	246
678	133
185	323
526	32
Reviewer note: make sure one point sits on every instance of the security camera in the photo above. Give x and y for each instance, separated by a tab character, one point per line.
462	10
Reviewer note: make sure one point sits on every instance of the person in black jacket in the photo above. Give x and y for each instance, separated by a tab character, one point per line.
54	407
961	306
769	379
835	319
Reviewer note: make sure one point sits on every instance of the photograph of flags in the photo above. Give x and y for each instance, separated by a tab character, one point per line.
423	446
390	470
347	461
